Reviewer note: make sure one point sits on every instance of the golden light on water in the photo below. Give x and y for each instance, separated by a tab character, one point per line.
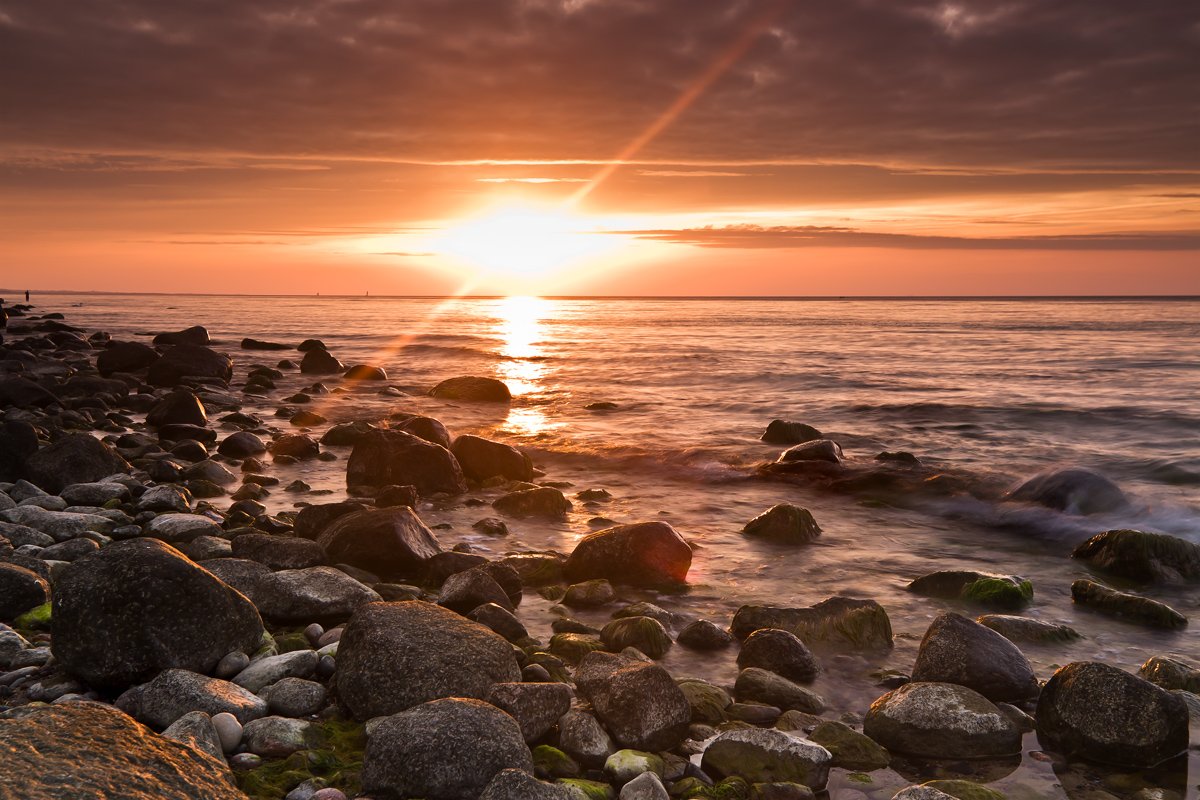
523	368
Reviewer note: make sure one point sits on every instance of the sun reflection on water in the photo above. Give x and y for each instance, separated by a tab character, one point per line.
520	327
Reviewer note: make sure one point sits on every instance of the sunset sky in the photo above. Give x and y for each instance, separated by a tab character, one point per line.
604	147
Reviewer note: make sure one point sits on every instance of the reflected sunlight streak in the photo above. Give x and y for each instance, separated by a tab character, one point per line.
521	328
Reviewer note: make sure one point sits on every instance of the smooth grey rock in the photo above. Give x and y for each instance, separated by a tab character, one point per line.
448	749
75	458
295	697
276	737
535	706
11	643
957	650
639	702
766	755
59	525
176	692
500	620
69	550
196	729
396	458
784	524
229	731
780	652
164	498
646	786
482	459
19	535
266	671
231	665
49	503
181	528
843	622
280	552
94	494
206	548
763	686
464	591
941	720
814	450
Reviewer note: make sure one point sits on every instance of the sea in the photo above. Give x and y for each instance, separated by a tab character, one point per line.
998	388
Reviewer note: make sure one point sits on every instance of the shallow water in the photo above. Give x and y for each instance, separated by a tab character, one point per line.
999	388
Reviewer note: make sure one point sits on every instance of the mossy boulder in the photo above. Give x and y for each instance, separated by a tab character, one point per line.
644	633
1130	607
587	790
998	591
965	790
1171	674
708	702
851	750
1026	629
550	762
837	622
1141	556
784	524
765	755
625	765
572	647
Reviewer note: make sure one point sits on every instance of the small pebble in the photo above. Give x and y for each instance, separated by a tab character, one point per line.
229	731
231	665
326	667
329	637
245	761
313	633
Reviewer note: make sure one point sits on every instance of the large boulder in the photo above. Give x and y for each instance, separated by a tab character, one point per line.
763	686
197	334
318	361
1127	606
386	541
784	524
838	621
20	590
189	360
75	458
22	393
135	608
766	755
180	407
395	458
544	501
93	750
780	652
470	387
60	525
1141	556
535	706
176	692
1075	491
313	519
1098	712
640	704
393	656
464	591
447	749
279	552
294	596
785	432
643	554
482	459
957	650
125	357
941	720
1009	592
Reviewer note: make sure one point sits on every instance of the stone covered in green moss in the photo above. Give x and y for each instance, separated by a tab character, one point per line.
338	764
708	702
999	593
550	762
1141	556
645	633
851	750
587	790
572	647
965	790
784	524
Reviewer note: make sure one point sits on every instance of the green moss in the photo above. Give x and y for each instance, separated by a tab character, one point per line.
338	764
859	777
291	642
35	619
550	762
966	790
732	788
593	790
552	593
690	789
999	593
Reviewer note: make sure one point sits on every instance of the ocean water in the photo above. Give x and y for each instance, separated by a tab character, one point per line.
994	390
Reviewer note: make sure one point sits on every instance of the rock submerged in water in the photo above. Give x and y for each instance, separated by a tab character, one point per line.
197	334
825	450
472	388
999	591
838	621
785	524
1030	630
643	554
1098	712
780	652
1141	556
1131	607
394	458
1075	491
544	501
765	755
783	432
482	459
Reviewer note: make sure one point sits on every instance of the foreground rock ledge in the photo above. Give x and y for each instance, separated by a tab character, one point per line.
101	754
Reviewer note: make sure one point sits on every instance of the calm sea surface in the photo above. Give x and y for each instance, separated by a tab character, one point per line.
999	388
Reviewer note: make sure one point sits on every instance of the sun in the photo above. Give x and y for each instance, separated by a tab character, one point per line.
524	242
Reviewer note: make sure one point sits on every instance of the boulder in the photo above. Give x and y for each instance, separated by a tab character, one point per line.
311	520
427	428
293	596
500	620
766	755
1075	491
482	459
1026	629
137	607
59	525
196	729
515	784
365	372
763	686
197	334
189	360
263	672
1141	556
1000	591
784	524
395	458
241	445
838	621
449	562
318	361
472	388
643	554
544	501
784	432
1098	712
176	692
447	749
94	494
277	737
180	407
816	450
164	498
20	591
850	749
279	552
75	458
464	591
296	445
957	650
125	357
941	720
19	392
704	634
647	786
581	736
536	569
1171	674
535	706
346	434
780	652
386	541
181	528
393	656
49	752
638	701
644	633
1130	607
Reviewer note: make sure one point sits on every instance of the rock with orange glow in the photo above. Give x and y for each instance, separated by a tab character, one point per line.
471	387
642	554
387	541
396	458
482	459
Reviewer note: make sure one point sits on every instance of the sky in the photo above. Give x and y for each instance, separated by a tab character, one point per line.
601	147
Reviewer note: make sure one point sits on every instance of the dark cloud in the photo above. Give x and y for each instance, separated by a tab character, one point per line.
1027	84
753	236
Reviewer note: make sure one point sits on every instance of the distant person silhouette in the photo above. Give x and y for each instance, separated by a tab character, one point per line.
26	295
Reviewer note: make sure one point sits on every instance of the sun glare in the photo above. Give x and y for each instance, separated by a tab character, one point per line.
524	242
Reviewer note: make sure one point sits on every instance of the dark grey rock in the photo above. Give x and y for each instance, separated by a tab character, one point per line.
1127	606
75	458
395	458
265	671
705	635
581	736
1141	556
189	360
176	692
957	650
197	334
20	590
313	519
763	686
535	706
464	591
197	730
482	459
1075	491
515	784
472	388
642	554
941	720
125	357
646	634
815	450
427	428
241	444
838	621
780	652
387	541
318	361
767	755
638	701
180	407
279	552
784	524
296	697
545	501
94	494
784	432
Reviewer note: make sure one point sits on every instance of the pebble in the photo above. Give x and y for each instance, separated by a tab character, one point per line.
245	762
229	730
231	665
314	634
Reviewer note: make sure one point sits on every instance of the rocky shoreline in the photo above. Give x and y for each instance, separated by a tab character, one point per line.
163	636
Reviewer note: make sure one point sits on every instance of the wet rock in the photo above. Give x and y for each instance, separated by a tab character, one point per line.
589	594
780	652
346	434
644	633
130	610
708	702
125	357
1141	556
387	541
784	432
313	519
256	344
398	496
581	736
957	650
265	671
427	428
572	647
515	784
816	450
164	498
318	361
536	569
277	737
94	494
97	751
851	750
180	407
1098	712
1130	607
365	372
535	706
1026	629
838	621
443	750
75	458
395	458
482	459
999	591
393	656
464	591
241	445
643	554
196	729
1075	491
941	720
20	591
294	596
647	786
68	551
446	563
765	756
176	692
189	360
1170	674
295	445
542	502
784	524
279	552
491	526
197	334
181	528
764	686
638	702
705	635
473	389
